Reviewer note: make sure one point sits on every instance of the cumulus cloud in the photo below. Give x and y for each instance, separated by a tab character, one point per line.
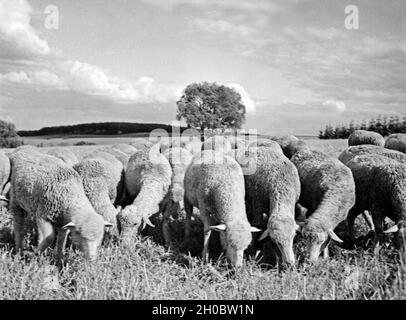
17	37
245	97
337	105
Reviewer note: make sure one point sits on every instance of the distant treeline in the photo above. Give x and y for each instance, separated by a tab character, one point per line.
101	128
383	125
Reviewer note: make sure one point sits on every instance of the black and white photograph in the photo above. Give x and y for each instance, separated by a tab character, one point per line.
217	151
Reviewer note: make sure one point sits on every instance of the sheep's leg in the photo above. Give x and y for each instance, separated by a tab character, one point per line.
326	253
189	213
19	218
368	219
352	215
61	237
207	233
377	218
165	226
46	234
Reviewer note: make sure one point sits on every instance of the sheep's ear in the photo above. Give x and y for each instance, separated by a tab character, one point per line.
69	226
392	229
264	235
108	224
333	236
219	227
254	229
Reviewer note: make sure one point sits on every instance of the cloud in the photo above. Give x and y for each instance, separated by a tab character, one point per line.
221	26
17	37
245	98
338	105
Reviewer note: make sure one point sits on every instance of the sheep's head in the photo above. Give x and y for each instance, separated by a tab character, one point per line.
236	237
315	238
88	234
282	230
131	221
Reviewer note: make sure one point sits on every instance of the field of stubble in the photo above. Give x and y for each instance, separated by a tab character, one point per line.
146	270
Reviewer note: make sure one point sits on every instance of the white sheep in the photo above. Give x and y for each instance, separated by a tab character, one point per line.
52	193
5	172
397	142
273	188
125	148
64	154
359	137
147	180
214	183
179	159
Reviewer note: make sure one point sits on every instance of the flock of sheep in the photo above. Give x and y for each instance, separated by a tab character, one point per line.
247	192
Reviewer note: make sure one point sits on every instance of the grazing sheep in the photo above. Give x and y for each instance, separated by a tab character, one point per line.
119	155
294	146
45	188
283	141
371	150
359	137
147	180
64	154
4	178
273	188
125	148
217	143
214	183
102	180
179	159
328	193
265	143
381	189
141	144
397	142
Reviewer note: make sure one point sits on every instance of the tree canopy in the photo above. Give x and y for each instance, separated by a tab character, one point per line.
209	106
8	135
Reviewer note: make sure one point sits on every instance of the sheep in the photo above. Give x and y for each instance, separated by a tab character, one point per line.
125	148
102	182
372	150
64	154
381	189
119	155
273	188
147	180
141	144
179	159
328	193
359	137
265	143
217	143
294	146
283	141
397	142
214	183
50	191
5	171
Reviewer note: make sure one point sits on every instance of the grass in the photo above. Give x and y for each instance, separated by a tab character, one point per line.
145	269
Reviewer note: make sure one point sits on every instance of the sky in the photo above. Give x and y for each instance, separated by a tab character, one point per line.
298	64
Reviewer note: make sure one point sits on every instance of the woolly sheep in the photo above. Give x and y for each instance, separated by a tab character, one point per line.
283	141
179	159
397	142
119	155
265	143
102	180
45	188
217	143
328	193
294	146
214	183
125	148
4	177
381	189
273	188
359	137
147	180
64	154
141	144
371	150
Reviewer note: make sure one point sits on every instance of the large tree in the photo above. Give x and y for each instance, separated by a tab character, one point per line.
210	106
8	135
